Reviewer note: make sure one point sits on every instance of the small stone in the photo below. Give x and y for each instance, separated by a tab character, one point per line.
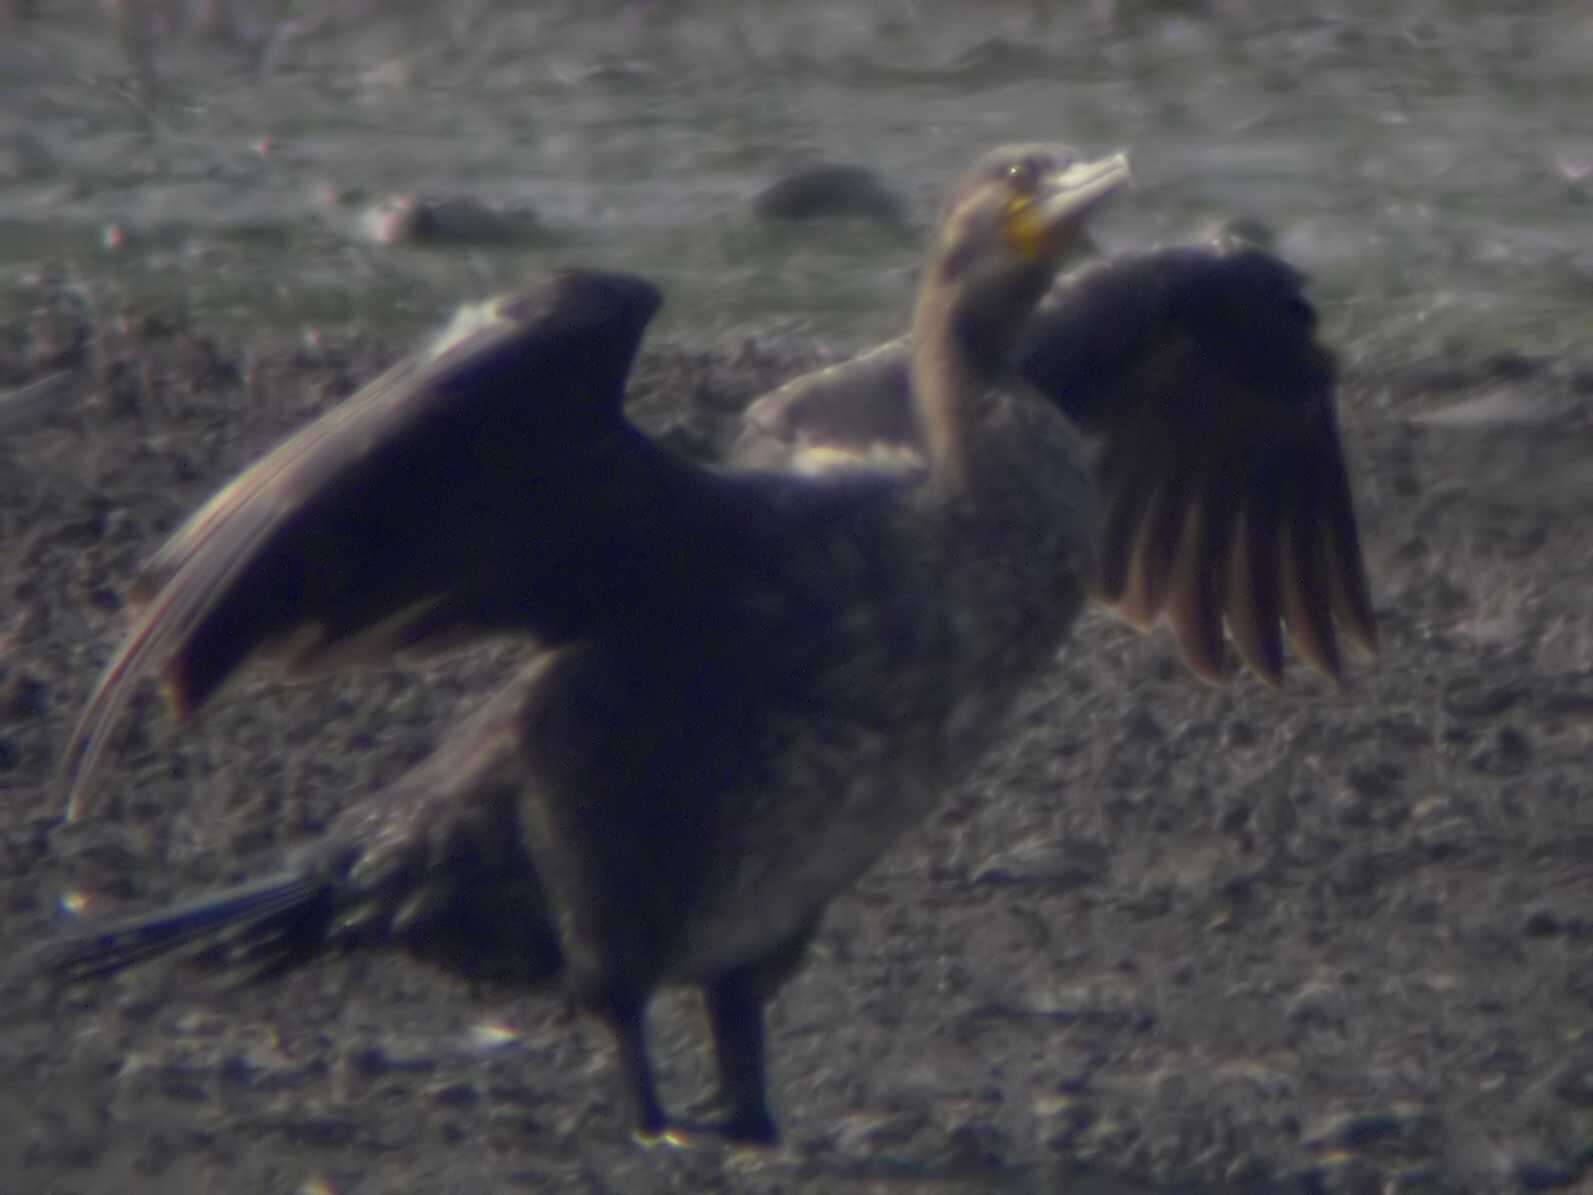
26	698
1346	1172
374	1061
1057	866
1541	1174
830	191
1420	1179
1506	750
1576	703
1471	697
321	1131
1353	1129
1512	366
491	1036
1376	780
869	1135
179	1087
1320	1004
1350	808
457	1095
1541	923
239	1068
1574	1083
1060	1120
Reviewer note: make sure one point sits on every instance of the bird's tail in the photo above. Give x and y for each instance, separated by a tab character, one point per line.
267	925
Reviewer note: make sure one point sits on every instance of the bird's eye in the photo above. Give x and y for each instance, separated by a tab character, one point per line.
1024	175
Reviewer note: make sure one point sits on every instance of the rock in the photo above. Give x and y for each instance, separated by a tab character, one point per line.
829	191
1056	865
1500	408
1317	1003
1506	751
410	219
1359	1129
1473	697
24	698
1536	1173
1574	1082
374	1061
31	403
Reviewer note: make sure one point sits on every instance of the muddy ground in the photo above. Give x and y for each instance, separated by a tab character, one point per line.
1171	939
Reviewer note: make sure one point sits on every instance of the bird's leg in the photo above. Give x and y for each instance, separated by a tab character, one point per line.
735	1016
624	1012
736	1002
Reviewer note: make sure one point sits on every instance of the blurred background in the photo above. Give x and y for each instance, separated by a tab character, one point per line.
1431	163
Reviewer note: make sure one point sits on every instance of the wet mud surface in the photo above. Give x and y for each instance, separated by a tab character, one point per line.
1171	938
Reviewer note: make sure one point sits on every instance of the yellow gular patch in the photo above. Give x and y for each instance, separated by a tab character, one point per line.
1025	230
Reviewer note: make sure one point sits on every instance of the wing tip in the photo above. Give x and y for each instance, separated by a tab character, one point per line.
1355	615
1262	655
1317	644
86	748
1367	640
1216	673
177	691
79	763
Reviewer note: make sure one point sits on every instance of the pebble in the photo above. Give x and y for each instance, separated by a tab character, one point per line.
1318	1003
830	191
1347	1130
1471	697
1574	1082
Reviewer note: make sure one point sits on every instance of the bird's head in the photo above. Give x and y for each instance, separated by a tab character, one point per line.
1008	226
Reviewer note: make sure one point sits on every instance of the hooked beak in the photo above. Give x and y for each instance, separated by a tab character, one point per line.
1041	225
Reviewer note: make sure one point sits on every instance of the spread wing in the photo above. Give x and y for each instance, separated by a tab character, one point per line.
858	410
1196	373
492	485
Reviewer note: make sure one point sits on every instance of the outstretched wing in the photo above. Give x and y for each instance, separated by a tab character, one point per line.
1197	374
859	410
491	485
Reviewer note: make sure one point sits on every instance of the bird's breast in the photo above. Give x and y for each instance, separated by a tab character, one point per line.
917	676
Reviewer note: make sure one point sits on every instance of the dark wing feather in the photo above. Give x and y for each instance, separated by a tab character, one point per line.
491	486
1254	588
1197	372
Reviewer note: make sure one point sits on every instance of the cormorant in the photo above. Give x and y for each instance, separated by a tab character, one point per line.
1208	404
746	683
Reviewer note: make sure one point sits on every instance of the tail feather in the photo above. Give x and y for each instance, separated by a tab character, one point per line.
283	916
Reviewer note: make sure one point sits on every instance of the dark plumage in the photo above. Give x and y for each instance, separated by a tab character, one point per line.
745	684
1195	374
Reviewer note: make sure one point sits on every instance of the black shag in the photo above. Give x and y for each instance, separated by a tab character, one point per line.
746	683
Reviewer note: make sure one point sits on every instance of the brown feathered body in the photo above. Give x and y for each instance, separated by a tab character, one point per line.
745	684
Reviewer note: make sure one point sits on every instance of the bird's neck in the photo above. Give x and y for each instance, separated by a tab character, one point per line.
960	352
